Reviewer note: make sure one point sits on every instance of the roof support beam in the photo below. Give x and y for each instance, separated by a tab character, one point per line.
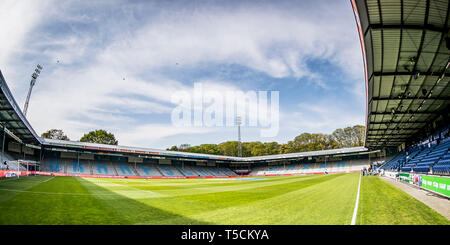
24	134
385	139
392	129
405	113
9	120
407	73
17	128
427	27
398	137
389	122
388	135
384	142
412	98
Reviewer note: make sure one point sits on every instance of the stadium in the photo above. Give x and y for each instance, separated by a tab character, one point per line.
405	47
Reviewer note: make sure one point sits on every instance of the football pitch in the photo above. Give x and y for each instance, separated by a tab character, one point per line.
282	200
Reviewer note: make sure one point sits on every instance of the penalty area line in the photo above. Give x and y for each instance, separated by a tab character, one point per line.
355	211
48	179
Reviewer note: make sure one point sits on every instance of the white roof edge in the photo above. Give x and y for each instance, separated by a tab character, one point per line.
312	153
117	147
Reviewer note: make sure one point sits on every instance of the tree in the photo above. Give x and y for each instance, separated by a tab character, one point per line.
360	135
209	149
100	136
272	148
349	136
312	142
286	148
229	148
56	134
256	148
184	146
174	148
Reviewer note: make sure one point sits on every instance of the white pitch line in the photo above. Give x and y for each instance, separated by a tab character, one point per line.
355	211
48	179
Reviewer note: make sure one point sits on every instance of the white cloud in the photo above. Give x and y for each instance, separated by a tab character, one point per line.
149	135
17	20
95	96
99	97
321	116
269	40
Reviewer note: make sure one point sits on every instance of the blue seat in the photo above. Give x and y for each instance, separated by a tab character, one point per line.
341	165
307	166
54	165
406	169
125	169
77	166
189	173
422	169
100	166
167	170
146	170
201	171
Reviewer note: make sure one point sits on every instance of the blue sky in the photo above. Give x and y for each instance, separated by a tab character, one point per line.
115	64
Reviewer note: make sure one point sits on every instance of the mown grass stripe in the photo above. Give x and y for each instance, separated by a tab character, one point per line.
324	199
127	192
384	204
323	203
196	190
23	183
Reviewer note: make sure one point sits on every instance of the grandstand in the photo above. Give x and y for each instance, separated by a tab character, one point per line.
115	167
312	168
407	93
148	170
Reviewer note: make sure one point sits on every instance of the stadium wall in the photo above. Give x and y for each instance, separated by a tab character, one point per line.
346	166
178	177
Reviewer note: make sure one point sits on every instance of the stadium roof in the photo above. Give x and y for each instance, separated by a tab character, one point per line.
128	149
12	118
349	150
155	152
405	45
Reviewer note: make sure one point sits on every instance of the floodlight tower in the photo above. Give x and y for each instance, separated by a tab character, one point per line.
238	122
35	75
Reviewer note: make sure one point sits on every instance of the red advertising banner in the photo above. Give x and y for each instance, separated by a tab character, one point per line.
12	173
9	173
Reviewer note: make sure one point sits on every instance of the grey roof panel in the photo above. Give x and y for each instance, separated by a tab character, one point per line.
406	60
12	118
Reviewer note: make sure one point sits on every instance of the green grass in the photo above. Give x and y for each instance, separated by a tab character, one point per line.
384	204
315	199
